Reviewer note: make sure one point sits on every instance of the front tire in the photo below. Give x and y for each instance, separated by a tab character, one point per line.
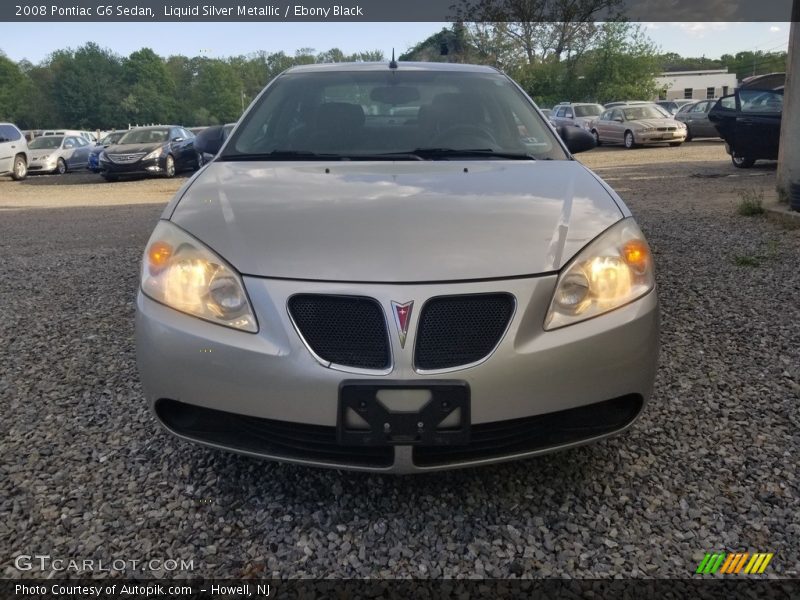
630	141
20	170
61	166
596	137
742	163
169	167
200	161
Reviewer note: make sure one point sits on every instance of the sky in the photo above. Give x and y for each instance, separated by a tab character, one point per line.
34	41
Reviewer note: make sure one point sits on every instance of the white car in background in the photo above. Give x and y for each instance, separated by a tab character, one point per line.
13	152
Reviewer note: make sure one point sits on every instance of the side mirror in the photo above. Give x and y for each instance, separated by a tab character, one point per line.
177	139
210	140
619	119
576	140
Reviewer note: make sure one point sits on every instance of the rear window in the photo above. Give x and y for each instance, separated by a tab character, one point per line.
362	113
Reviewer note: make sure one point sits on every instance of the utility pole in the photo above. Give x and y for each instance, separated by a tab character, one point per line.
789	155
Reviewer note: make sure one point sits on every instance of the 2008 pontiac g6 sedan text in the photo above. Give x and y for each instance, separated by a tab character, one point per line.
396	267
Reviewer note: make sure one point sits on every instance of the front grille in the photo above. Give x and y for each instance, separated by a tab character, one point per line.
124	159
280	439
667	129
518	436
460	330
344	330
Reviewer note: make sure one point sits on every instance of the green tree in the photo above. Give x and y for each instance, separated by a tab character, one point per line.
149	94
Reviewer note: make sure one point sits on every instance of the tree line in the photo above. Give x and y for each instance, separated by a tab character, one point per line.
94	88
577	59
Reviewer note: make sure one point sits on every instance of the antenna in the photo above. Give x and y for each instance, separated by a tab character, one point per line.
393	64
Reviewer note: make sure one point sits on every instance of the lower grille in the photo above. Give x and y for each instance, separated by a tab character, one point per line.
124	159
517	436
343	330
280	439
460	330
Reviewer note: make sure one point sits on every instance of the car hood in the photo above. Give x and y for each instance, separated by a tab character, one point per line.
647	123
43	153
133	148
396	221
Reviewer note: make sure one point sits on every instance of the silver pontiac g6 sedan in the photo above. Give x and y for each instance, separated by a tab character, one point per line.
396	267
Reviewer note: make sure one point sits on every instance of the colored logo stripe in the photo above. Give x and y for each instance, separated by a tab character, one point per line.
733	563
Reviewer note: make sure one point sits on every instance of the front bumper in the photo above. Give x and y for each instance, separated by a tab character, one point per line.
660	137
270	384
151	166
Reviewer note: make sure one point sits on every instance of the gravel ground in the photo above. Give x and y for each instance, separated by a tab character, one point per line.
85	472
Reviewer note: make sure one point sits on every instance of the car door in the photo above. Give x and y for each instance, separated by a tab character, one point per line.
80	156
692	117
68	146
722	116
602	126
758	123
177	144
616	126
10	139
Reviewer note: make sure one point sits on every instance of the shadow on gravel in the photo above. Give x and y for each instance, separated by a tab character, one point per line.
81	178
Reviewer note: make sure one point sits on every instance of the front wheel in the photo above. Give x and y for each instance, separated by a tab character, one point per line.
200	161
20	170
61	166
596	137
630	141
742	163
169	166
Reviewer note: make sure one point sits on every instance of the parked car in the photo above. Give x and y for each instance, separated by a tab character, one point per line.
14	152
58	153
625	103
162	151
673	106
224	133
634	125
339	291
695	117
576	115
109	139
750	123
547	112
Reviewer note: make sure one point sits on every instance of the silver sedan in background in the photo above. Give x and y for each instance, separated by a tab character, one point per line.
344	288
634	125
58	153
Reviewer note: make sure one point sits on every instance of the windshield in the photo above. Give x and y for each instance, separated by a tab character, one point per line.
145	136
588	110
362	114
637	113
112	138
46	143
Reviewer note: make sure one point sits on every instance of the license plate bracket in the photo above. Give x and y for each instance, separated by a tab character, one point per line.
381	425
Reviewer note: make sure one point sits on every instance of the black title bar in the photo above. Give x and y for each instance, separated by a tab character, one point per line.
153	11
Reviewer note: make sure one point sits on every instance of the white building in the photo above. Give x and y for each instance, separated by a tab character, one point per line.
696	85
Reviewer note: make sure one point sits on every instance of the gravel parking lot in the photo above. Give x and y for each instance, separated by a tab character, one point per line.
712	465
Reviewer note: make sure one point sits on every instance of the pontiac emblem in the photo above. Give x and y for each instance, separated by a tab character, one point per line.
402	317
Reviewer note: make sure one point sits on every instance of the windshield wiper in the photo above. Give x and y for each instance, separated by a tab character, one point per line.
445	153
282	155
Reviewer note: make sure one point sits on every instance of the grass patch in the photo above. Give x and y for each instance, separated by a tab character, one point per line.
745	261
751	203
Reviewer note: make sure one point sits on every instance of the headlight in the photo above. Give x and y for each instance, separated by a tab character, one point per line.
647	130
179	271
611	271
103	156
154	154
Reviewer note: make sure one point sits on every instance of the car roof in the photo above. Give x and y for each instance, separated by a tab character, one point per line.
384	66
